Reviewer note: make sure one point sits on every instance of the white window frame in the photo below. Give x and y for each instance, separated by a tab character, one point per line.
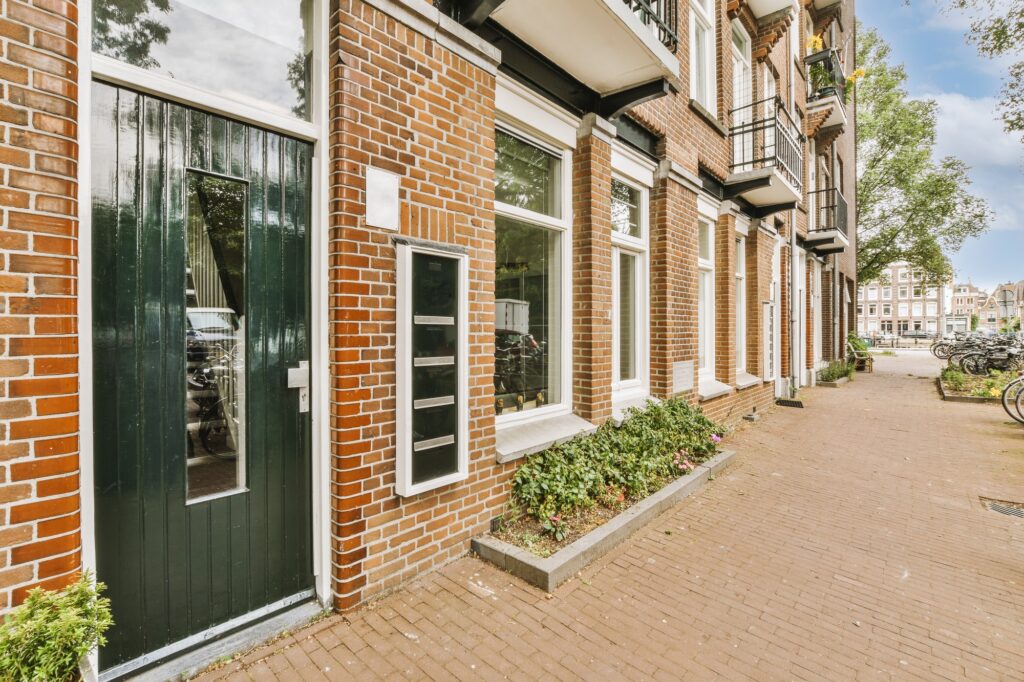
707	213
633	170
741	303
904	309
701	14
886	293
886	309
403	360
553	144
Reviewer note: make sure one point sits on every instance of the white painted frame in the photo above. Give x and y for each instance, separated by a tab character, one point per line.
92	66
554	143
404	453
741	303
706	213
635	248
703	15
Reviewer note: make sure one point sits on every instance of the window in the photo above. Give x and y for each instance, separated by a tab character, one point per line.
215	335
886	293
917	309
904	276
262	49
529	340
629	238
705	298
704	46
860	309
872	310
741	305
903	292
887	326
860	293
904	309
886	309
873	293
432	428
933	309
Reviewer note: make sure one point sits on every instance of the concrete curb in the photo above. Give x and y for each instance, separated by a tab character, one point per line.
550	572
962	398
834	384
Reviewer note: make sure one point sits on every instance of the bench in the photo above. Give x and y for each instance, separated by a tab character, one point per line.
862	360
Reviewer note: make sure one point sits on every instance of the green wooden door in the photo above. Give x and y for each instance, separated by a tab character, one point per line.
200	308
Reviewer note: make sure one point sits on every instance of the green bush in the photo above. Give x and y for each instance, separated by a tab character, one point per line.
954	378
46	637
857	342
836	370
653	445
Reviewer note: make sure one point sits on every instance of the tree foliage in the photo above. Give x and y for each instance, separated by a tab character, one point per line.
910	206
997	30
127	29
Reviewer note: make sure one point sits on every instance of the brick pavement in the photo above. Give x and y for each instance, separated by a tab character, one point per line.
847	543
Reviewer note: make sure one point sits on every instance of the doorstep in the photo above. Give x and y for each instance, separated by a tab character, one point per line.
548	573
834	384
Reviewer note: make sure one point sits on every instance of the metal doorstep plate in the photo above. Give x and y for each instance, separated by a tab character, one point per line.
1004	507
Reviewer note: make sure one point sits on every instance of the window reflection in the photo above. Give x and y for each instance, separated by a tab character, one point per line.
255	51
215	334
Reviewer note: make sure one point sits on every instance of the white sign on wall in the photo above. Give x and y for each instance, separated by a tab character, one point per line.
382	204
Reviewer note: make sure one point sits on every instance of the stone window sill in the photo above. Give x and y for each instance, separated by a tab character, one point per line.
709	118
518	440
621	407
744	380
710	388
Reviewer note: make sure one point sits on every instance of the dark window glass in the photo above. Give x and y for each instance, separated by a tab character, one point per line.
435	287
433	382
527	315
526	176
254	51
435	463
215	334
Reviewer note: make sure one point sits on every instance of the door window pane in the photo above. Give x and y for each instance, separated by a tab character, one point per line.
704	241
626	300
625	209
527	316
215	334
526	176
254	51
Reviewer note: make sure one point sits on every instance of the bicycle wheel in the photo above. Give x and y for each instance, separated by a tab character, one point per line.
942	351
1012	398
975	363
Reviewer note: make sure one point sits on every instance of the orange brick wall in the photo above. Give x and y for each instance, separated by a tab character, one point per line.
39	480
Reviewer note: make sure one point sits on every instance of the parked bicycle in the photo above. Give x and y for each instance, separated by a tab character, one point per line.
1013	399
979	355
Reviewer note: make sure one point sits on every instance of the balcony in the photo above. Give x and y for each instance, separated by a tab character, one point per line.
576	36
762	8
826	88
828	233
767	157
825	4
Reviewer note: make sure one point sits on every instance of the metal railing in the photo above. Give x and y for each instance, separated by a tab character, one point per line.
661	16
825	76
764	135
830	210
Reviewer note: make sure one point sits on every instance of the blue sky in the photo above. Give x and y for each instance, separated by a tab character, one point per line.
941	66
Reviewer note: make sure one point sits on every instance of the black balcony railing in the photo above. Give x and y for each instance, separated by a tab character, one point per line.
764	135
825	76
661	16
830	210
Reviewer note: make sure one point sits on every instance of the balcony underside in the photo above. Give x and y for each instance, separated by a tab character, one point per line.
762	8
763	188
825	4
831	107
575	35
825	242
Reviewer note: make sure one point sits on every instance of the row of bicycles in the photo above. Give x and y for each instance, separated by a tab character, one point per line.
981	355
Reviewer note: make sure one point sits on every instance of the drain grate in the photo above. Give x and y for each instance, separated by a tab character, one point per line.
1004	507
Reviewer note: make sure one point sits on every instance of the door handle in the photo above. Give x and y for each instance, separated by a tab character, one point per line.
298	377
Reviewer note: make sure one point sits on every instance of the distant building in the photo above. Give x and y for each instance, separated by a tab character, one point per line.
965	302
1004	306
900	302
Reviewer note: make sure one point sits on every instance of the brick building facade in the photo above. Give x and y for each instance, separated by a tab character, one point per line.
900	303
436	238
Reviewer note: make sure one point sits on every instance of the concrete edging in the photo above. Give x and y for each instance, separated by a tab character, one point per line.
962	398
834	384
550	572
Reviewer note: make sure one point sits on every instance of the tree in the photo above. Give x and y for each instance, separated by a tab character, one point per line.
910	206
974	323
127	29
998	31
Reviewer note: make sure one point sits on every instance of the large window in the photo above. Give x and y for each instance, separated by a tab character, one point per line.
252	51
705	298
629	239
741	305
703	47
529	297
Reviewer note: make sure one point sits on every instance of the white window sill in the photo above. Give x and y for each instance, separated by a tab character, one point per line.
622	405
744	380
519	439
710	388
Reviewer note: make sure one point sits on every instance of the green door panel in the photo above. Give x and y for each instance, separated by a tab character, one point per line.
174	567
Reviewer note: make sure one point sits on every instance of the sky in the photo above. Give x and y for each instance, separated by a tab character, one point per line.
942	66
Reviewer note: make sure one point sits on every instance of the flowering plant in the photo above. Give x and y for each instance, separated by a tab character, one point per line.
815	43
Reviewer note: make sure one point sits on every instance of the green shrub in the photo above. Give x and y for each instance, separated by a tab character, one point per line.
654	444
836	370
954	378
46	637
857	342
992	386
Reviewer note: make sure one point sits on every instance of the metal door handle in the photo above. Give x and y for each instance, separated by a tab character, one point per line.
298	377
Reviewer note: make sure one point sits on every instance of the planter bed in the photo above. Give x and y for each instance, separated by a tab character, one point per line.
834	384
952	396
551	571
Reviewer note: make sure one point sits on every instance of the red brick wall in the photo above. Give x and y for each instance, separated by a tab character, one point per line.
402	103
39	481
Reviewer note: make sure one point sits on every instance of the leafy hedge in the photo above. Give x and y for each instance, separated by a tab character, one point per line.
655	444
836	370
46	637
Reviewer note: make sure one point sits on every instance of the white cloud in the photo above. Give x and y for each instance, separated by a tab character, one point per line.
970	129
